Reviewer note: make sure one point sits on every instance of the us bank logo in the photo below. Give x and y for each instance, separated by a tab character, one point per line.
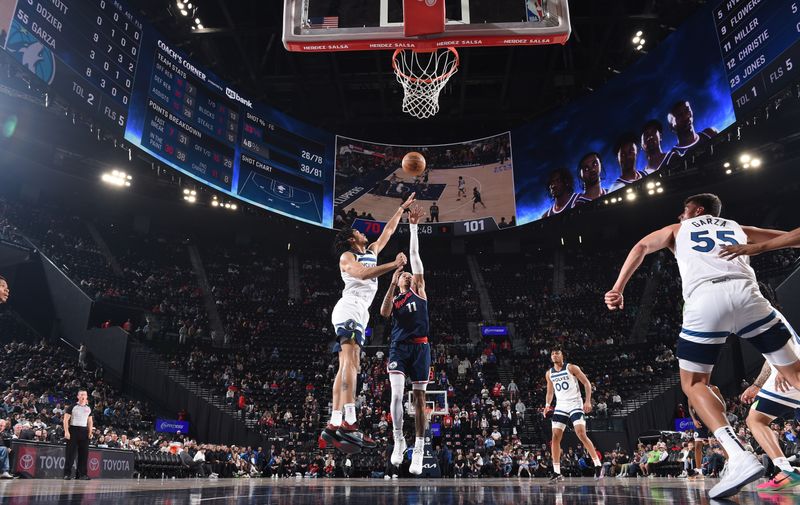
31	53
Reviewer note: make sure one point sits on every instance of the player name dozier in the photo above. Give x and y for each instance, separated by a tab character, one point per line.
48	16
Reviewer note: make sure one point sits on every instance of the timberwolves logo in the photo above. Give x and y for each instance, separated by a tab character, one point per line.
32	53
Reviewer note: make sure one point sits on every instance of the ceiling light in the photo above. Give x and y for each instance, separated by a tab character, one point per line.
631	196
233	206
197	21
636	39
756	162
184	12
651	185
660	190
744	158
729	171
200	27
726	164
651	192
214	203
639	33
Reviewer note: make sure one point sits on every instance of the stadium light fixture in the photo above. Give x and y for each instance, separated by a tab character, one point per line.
651	192
659	190
744	158
729	171
117	178
651	185
562	240
755	163
630	197
726	164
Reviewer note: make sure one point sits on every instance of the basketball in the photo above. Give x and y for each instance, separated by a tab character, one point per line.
413	163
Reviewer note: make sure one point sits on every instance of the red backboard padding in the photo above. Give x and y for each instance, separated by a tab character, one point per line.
423	17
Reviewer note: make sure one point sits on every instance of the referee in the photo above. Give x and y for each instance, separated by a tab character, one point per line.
78	425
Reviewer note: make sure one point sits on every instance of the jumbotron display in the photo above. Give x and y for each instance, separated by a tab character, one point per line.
111	64
467	181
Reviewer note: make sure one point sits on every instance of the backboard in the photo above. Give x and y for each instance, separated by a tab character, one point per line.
435	403
363	25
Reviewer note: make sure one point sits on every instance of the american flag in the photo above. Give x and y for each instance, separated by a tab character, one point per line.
324	22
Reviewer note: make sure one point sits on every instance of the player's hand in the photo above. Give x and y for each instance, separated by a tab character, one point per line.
781	384
547	411
749	394
396	275
587	407
614	300
66	435
400	260
409	201
416	214
734	251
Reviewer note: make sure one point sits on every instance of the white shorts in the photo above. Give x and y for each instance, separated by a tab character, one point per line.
350	317
716	310
566	412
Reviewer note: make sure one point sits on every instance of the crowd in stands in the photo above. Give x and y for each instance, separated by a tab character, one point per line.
276	371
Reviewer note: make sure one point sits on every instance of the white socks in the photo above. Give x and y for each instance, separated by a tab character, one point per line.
398	435
729	441
350	413
597	462
557	467
336	418
419	444
783	464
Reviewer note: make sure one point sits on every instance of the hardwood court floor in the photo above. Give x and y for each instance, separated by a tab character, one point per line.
495	182
511	491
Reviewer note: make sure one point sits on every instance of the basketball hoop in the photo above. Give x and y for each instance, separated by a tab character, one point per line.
423	74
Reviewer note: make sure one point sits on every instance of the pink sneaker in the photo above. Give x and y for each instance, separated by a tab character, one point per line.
780	482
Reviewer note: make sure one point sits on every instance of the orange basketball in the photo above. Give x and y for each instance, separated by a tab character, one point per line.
413	163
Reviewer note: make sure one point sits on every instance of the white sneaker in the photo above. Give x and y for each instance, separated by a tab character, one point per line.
683	475
6	475
741	471
398	452
416	462
394	477
724	471
386	477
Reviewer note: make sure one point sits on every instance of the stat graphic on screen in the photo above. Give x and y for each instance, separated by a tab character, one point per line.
760	44
110	64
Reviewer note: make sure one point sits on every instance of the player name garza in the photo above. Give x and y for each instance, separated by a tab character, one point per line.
709	220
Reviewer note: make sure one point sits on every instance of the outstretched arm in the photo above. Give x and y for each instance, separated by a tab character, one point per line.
661	239
416	262
548	397
762	241
386	306
587	386
348	263
391	226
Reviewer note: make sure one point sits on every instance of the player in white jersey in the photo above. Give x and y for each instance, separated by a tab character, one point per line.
358	264
774	398
721	298
564	381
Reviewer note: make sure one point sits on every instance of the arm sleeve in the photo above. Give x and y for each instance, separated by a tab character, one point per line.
416	262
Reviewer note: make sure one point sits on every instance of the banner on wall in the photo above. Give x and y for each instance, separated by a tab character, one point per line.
34	460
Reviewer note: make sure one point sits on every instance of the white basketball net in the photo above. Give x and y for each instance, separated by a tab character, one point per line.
423	75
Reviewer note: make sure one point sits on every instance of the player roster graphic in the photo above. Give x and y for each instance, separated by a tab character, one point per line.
466	181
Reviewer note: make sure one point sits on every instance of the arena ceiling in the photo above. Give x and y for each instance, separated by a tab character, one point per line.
356	94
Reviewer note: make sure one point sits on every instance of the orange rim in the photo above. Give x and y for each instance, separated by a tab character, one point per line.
413	79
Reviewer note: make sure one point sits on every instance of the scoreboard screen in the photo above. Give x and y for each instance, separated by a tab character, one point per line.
113	66
86	50
760	45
